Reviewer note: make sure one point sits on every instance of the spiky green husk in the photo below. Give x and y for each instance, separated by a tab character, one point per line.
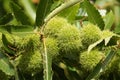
90	34
30	62
30	42
89	60
54	25
69	41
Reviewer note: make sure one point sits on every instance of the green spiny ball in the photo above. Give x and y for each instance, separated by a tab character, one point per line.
30	62
89	60
29	42
54	25
69	41
90	34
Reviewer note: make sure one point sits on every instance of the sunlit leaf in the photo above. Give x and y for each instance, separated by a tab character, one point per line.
107	40
94	45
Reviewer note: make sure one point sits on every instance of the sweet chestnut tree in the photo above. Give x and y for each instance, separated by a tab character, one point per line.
59	39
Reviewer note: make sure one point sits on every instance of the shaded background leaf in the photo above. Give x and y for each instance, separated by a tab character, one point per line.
117	19
19	14
109	20
2	10
101	65
5	65
7	45
20	30
29	9
5	19
93	15
43	9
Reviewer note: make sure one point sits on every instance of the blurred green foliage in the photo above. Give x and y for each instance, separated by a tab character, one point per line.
81	42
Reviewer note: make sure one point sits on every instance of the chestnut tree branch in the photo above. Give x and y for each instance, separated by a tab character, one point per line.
65	5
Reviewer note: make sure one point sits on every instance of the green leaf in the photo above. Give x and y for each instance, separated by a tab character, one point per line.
29	9
109	20
7	45
73	75
5	65
55	4
93	15
106	39
70	13
2	10
63	6
5	19
107	35
20	30
94	45
101	65
117	19
19	14
42	10
47	59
